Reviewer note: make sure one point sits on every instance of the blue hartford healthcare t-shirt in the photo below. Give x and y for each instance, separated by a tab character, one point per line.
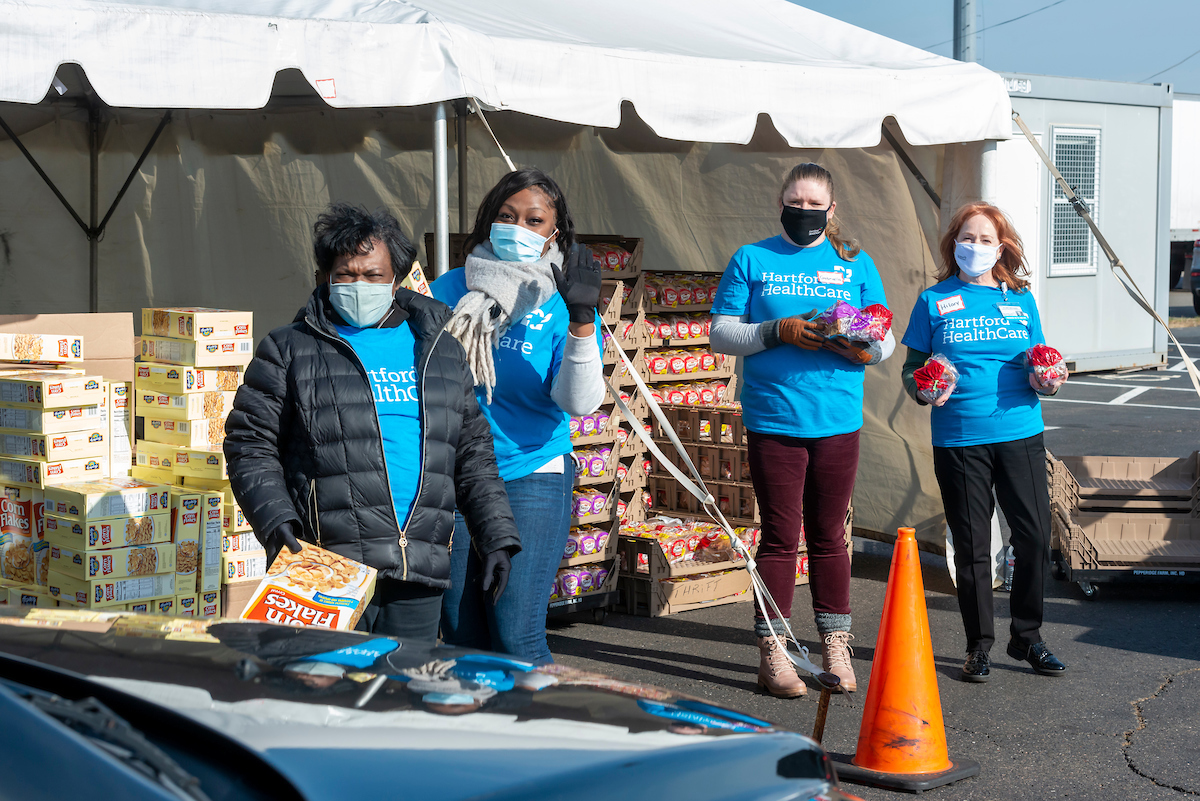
389	356
788	390
528	427
984	331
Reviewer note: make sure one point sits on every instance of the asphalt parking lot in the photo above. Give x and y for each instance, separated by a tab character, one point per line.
1124	723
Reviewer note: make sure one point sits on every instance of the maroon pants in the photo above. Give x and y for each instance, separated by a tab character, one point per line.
810	480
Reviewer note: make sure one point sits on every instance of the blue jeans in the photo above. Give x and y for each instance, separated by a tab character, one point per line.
516	625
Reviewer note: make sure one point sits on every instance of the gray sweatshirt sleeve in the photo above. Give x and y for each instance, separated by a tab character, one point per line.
736	337
578	387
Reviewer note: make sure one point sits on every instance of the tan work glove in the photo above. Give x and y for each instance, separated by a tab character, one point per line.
801	332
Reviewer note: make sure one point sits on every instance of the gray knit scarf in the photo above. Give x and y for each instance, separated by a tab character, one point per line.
501	294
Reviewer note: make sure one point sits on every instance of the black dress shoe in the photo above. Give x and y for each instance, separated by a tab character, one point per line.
1039	658
976	668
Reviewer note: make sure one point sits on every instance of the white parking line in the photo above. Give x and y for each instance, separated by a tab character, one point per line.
1128	396
1127	405
1074	383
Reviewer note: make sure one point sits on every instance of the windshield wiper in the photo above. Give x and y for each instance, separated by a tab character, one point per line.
111	732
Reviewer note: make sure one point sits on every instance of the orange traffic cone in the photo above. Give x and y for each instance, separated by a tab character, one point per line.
902	740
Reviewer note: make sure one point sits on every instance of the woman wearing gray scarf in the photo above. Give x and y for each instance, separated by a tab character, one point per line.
526	316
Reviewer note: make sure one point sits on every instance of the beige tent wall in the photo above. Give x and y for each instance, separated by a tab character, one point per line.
220	215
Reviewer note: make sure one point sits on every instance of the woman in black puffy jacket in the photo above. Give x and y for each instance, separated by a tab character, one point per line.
357	429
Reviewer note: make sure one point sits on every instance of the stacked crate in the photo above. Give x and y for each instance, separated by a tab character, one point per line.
1125	517
191	364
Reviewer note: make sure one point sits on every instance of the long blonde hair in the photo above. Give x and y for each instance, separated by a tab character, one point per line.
809	171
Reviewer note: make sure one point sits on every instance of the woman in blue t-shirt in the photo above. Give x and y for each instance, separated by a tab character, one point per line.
987	430
525	312
802	403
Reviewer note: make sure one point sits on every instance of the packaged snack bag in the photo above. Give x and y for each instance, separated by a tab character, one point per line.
935	378
1045	363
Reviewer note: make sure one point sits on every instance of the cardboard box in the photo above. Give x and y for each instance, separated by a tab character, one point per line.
197	323
662	597
222	487
207	463
56	447
233	519
243	565
210	575
107	499
50	390
240	543
313	588
120	428
154	606
184	433
174	379
187	605
103	535
104	593
156	456
53	421
139	560
108	336
33	473
40	348
191	406
235	596
210	603
220	353
24	555
26	595
153	475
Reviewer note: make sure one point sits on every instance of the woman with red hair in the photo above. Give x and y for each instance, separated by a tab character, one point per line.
987	428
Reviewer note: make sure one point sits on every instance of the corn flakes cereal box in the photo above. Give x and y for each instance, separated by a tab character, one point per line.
236	566
192	406
105	593
50	390
40	348
209	603
233	520
120	428
176	379
56	447
103	535
38	474
139	560
24	554
197	323
19	420
207	462
184	433
312	588
218	353
187	605
108	499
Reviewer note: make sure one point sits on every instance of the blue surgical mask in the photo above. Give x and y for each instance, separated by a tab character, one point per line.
360	303
975	260
451	699
516	243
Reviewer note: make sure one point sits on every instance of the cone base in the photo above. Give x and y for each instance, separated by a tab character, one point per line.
910	782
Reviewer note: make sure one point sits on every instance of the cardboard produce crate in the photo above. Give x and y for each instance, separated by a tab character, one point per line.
704	425
1124	483
1112	546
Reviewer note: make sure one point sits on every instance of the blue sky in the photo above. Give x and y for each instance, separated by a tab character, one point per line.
1111	40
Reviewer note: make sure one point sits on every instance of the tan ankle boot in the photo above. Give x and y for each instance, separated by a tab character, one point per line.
776	674
837	658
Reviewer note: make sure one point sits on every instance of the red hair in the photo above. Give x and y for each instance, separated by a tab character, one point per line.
1010	267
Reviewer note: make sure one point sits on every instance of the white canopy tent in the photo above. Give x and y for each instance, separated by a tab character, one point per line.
616	101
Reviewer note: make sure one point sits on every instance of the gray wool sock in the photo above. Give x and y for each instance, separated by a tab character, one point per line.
762	627
828	622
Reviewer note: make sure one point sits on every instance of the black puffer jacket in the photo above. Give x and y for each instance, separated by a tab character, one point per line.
303	444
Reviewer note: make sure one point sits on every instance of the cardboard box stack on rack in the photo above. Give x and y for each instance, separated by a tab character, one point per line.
190	366
1125	518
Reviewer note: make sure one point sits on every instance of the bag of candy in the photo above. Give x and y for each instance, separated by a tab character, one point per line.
863	325
935	378
1046	364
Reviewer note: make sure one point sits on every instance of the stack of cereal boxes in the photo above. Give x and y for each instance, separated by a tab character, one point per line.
55	428
190	367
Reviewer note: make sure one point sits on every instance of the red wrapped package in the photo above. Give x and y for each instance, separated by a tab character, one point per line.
881	321
935	378
1046	364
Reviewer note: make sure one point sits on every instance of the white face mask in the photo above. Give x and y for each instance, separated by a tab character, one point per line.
975	260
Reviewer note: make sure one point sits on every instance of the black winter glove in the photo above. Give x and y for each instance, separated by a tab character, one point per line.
283	536
579	284
497	565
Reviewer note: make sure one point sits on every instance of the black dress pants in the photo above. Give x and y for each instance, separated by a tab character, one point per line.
966	475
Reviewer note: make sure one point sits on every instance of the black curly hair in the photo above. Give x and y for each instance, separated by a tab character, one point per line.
509	185
347	230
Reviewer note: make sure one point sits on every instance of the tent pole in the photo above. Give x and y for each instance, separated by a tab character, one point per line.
460	121
441	221
93	207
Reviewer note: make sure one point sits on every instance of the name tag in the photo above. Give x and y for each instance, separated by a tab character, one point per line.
830	277
1010	310
951	304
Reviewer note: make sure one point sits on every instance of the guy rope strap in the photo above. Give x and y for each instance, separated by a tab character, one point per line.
1118	268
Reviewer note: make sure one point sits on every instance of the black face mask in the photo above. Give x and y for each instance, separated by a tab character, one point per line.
803	226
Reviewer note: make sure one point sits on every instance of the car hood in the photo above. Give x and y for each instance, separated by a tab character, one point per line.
341	712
